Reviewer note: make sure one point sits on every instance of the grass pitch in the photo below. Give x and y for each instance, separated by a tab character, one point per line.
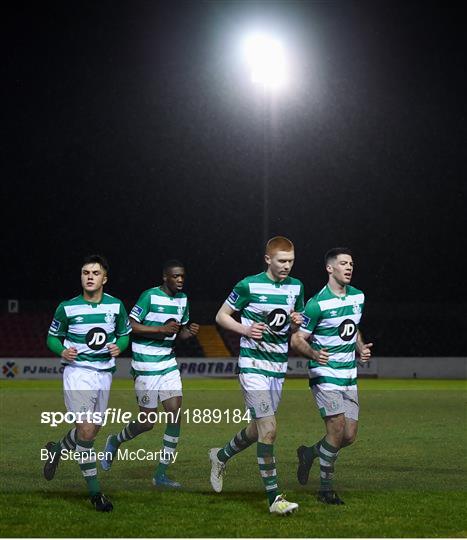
404	477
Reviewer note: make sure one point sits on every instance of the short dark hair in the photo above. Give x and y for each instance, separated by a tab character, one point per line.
172	263
97	259
334	252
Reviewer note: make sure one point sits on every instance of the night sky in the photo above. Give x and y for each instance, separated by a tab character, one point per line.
132	130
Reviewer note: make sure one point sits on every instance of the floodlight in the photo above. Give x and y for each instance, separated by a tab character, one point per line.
266	58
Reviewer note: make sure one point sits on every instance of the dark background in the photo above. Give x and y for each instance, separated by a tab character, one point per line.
132	130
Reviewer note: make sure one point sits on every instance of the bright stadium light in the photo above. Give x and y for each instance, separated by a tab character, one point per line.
266	59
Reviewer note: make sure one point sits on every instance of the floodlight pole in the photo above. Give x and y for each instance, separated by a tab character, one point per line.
266	164
266	59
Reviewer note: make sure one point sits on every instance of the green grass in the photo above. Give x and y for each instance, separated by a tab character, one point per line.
404	477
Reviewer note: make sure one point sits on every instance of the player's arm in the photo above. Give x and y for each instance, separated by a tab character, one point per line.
123	329
57	333
138	314
119	346
225	319
155	332
56	346
296	316
188	331
299	340
296	320
300	345
363	349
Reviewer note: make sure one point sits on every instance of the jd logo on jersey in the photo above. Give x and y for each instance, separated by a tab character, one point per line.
277	319
96	339
347	329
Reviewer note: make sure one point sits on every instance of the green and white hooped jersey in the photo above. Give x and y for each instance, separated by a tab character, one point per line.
155	308
260	299
89	326
333	321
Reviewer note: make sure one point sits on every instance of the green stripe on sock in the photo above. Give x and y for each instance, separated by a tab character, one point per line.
91	481
87	466
266	452
84	444
324	443
173	430
267	466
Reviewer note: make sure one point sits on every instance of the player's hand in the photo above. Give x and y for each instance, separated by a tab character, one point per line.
171	328
255	331
114	350
70	354
193	328
296	318
365	353
321	356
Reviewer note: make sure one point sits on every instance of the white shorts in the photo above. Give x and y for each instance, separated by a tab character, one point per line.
262	394
86	390
150	389
332	402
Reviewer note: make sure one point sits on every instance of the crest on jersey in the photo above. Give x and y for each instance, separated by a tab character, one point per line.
109	317
291	298
356	308
180	311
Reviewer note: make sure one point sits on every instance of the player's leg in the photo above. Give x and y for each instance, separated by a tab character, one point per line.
246	436
239	442
263	395
142	424
170	440
331	407
266	426
328	450
68	442
350	432
98	389
170	394
267	466
351	412
329	404
341	431
146	388
85	436
219	457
